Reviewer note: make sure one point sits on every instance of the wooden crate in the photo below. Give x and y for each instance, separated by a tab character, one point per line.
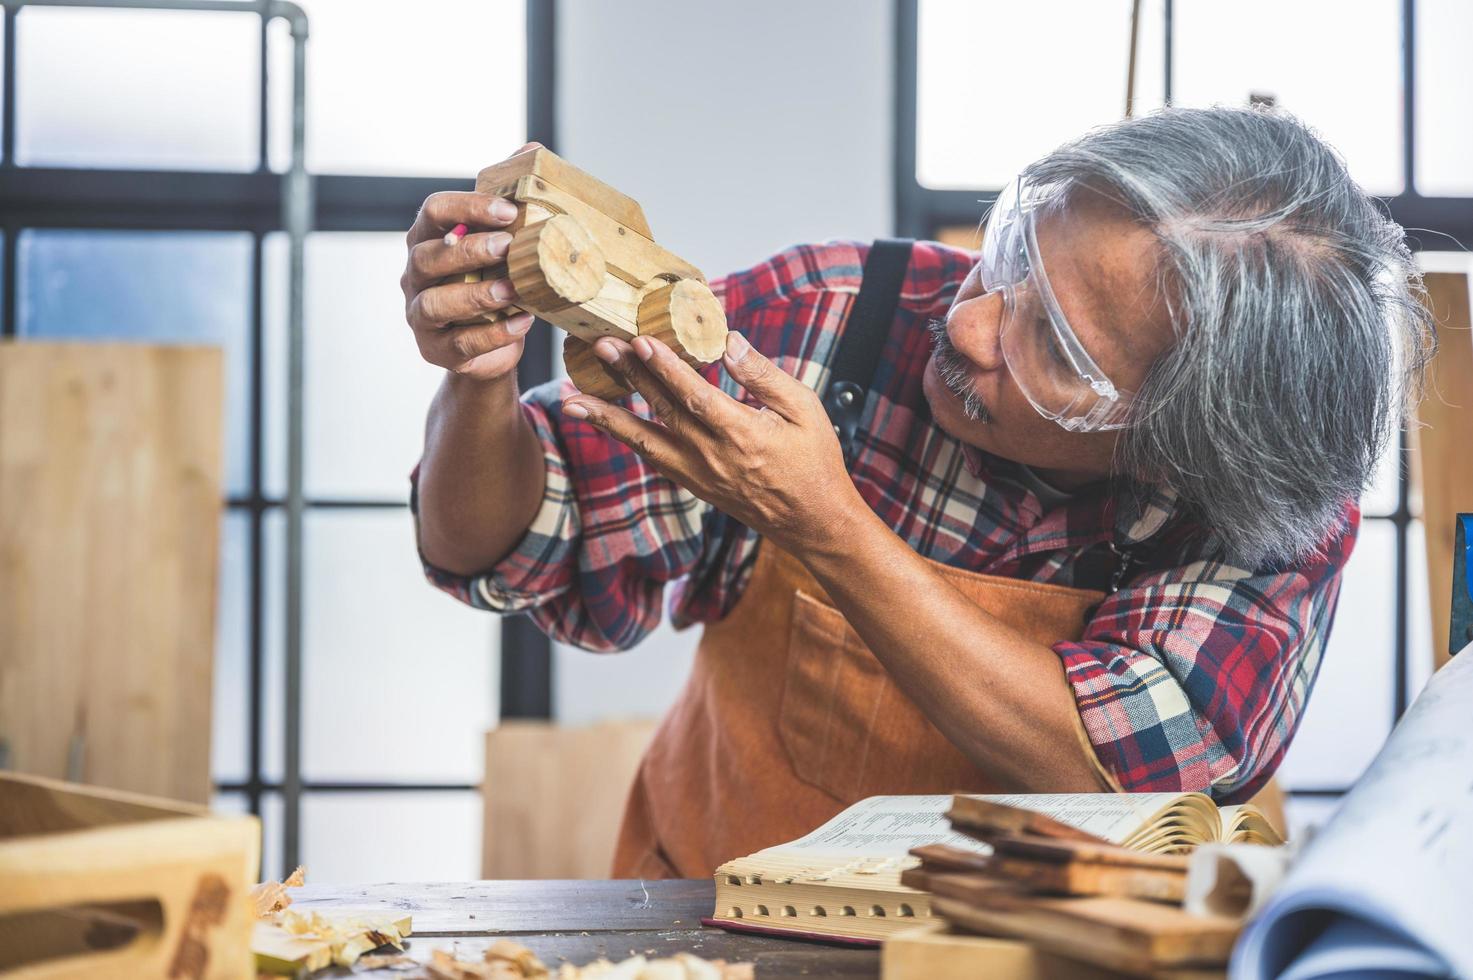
98	882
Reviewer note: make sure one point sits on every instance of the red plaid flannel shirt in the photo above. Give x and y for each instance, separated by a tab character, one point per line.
1193	675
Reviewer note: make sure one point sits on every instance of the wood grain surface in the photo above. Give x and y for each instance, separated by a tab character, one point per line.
579	921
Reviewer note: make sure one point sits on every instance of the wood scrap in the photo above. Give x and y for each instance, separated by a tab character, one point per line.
291	943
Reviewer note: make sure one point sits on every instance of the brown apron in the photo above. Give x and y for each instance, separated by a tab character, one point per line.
788	718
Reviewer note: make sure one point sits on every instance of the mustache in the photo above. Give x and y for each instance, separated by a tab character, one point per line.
951	368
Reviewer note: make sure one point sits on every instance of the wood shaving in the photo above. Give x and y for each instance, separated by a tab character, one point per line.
506	960
387	961
270	897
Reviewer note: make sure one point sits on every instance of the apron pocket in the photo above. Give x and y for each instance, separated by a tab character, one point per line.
835	693
847	728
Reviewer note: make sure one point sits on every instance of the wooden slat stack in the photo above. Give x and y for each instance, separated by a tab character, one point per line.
1071	896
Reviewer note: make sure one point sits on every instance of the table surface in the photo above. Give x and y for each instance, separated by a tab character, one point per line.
579	921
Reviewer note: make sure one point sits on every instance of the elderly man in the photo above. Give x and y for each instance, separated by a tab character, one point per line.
1089	530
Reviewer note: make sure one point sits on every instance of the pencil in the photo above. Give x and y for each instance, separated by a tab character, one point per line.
455	234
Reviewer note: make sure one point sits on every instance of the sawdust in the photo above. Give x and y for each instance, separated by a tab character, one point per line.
270	897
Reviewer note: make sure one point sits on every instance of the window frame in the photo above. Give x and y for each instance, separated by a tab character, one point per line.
257	202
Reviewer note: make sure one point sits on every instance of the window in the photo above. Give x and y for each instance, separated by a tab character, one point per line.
986	88
398	682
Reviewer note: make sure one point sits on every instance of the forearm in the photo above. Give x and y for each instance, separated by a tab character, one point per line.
482	475
999	697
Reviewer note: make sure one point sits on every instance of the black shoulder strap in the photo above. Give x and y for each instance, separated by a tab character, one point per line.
863	339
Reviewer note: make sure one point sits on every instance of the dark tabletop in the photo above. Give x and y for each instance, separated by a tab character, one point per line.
579	921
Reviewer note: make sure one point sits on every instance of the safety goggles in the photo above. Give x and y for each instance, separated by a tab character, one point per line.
1048	363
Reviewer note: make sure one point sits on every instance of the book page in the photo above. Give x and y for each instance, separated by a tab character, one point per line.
1394	856
882	826
1113	816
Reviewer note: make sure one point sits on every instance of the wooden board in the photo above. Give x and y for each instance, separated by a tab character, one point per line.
554	796
1444	453
110	498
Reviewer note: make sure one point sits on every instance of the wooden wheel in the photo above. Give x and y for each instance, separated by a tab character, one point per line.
555	264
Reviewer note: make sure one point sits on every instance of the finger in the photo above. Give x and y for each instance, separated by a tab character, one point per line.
457	345
690	392
454	301
655	444
432	260
769	384
620	358
443	211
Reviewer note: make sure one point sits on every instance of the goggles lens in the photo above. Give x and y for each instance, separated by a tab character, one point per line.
1047	361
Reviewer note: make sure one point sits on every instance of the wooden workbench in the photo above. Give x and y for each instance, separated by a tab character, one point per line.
579	921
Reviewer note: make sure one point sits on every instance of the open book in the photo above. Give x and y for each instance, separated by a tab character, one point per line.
842	881
1158	823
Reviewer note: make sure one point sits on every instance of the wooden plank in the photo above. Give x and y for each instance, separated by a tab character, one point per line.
110	499
548	165
487	908
554	794
1444	443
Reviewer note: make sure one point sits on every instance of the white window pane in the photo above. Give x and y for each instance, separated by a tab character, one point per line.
1000	85
1420	652
638	683
235	802
230	721
357	838
157	286
399	679
1336	66
138	88
1380	498
1349	713
368	64
1444	147
367	388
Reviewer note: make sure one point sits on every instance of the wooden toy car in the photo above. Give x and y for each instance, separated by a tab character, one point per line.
582	258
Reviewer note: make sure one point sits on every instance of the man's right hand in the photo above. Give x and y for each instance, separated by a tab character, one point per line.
444	311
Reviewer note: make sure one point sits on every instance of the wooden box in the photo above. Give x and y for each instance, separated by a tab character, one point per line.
98	882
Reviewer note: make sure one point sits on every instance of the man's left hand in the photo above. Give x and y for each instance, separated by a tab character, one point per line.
778	469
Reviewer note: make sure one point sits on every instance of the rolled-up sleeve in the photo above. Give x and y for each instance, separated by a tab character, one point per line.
609	534
1194	678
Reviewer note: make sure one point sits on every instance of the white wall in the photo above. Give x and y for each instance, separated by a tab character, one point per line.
741	129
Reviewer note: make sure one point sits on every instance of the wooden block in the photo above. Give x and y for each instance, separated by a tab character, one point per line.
553	796
549	166
590	374
936	952
111	458
688	317
1444	461
103	883
555	264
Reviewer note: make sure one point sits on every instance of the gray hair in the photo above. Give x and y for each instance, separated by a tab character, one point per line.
1301	338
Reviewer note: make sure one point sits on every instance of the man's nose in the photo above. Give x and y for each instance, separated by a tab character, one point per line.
975	329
